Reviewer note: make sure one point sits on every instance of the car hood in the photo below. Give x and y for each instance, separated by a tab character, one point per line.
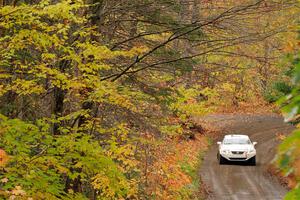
237	147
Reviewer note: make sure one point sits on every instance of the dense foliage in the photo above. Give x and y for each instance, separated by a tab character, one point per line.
288	154
93	92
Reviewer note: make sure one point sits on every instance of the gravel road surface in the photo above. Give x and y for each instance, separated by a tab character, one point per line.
238	181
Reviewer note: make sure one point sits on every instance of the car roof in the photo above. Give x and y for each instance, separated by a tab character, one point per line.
236	136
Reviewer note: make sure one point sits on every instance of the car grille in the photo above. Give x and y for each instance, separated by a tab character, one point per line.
237	152
237	158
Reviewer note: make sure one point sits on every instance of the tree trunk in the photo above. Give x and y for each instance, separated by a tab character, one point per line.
59	96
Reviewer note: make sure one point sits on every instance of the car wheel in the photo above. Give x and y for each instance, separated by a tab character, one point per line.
222	160
253	161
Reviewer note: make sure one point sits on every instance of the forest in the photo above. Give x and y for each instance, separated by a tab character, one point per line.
98	97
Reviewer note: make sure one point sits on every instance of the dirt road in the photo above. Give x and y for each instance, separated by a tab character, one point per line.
239	181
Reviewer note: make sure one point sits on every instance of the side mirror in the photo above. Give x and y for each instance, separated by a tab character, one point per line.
254	143
219	143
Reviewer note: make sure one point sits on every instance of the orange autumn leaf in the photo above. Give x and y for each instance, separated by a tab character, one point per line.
3	158
297	167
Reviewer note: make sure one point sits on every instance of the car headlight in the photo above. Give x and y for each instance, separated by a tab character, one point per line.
225	151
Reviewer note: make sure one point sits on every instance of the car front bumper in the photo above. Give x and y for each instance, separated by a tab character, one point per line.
238	157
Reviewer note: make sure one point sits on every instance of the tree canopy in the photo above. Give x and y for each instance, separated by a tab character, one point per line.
91	89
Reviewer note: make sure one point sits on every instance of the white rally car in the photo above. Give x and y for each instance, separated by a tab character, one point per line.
237	148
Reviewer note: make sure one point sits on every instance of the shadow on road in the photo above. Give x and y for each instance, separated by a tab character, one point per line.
240	163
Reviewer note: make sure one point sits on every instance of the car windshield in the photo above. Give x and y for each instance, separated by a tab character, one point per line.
236	141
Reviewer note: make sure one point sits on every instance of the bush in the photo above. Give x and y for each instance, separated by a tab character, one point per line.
276	91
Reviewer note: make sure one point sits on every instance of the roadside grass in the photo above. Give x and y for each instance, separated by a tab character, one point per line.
175	176
193	190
